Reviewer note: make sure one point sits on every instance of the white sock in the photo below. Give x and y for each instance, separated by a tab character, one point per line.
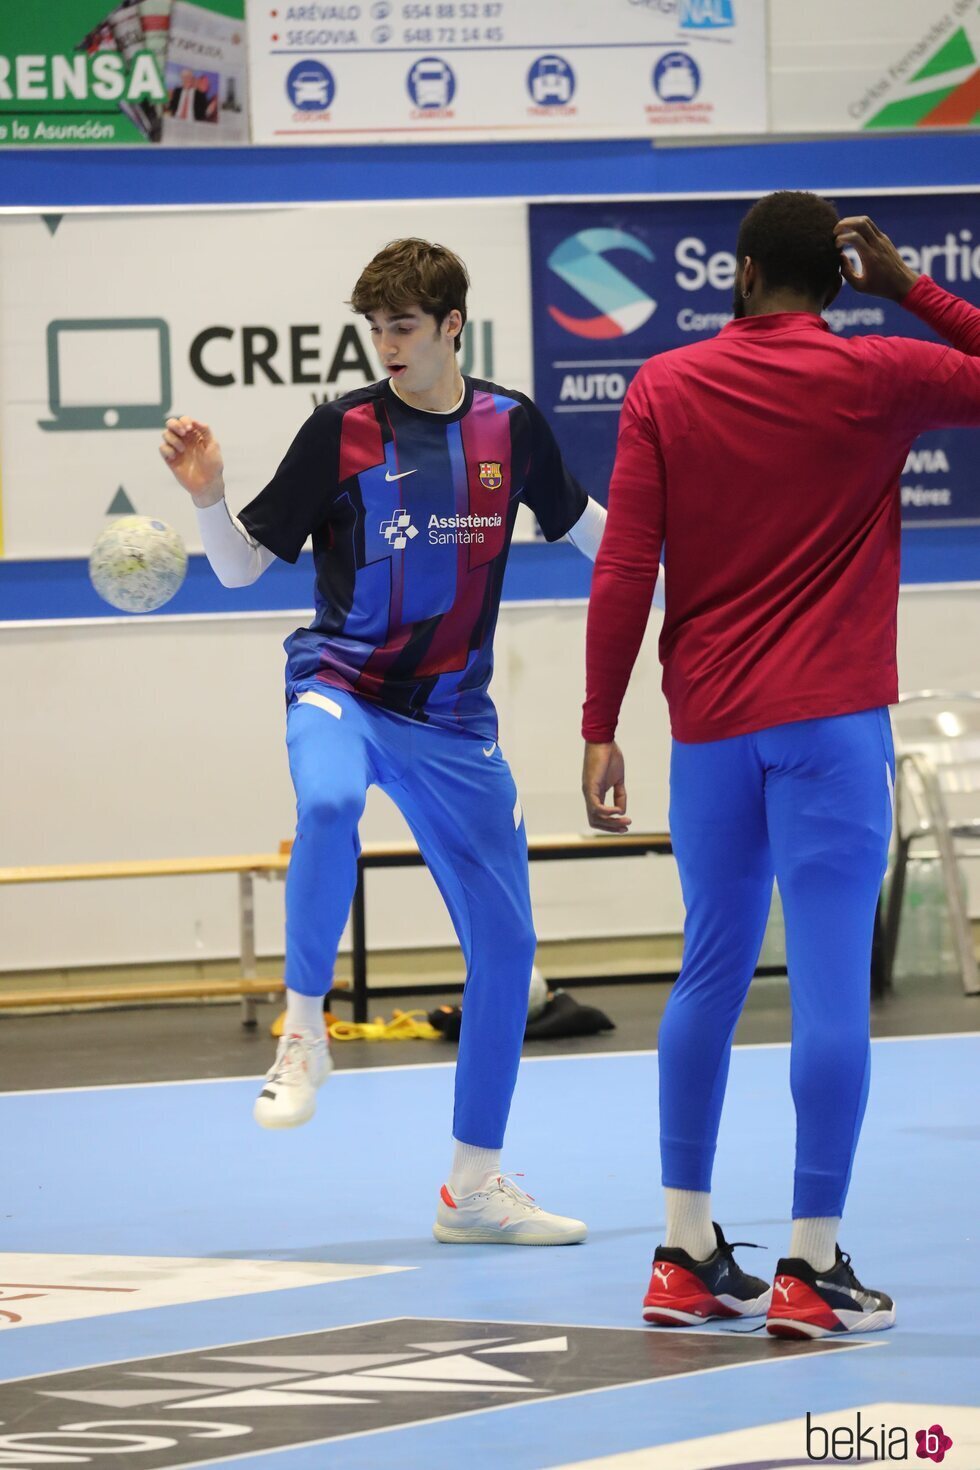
689	1226
303	1012
471	1167
815	1240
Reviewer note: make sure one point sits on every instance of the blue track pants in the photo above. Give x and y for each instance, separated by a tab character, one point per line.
811	803
458	796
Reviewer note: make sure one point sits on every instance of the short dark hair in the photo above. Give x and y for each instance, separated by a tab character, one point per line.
413	272
790	236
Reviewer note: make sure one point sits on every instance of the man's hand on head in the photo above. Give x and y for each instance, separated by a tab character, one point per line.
883	271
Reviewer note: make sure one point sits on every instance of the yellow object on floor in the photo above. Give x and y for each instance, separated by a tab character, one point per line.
403	1026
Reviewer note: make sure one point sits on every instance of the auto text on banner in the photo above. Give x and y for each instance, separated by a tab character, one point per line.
388	71
83	72
614	284
237	317
880	65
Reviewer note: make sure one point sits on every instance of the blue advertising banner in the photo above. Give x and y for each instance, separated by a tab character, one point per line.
615	283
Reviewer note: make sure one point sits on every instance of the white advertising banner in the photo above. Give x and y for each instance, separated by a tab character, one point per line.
389	71
109	323
873	67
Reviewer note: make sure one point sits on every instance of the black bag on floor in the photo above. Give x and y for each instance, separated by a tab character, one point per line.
448	1020
562	1016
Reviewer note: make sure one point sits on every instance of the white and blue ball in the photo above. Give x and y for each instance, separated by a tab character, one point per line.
137	564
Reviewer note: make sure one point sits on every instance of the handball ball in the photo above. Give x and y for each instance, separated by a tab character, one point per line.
137	564
537	996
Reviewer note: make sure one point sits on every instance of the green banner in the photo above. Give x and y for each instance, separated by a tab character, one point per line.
88	72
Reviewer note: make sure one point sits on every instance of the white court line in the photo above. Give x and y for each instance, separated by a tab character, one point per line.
215	1347
529	1403
591	1056
240	1453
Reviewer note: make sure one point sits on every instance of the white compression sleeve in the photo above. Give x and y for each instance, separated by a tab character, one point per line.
235	558
660	591
587	531
586	534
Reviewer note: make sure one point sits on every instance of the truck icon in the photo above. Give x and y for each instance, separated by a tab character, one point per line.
551	81
431	83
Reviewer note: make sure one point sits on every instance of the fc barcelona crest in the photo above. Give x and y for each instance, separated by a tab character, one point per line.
491	476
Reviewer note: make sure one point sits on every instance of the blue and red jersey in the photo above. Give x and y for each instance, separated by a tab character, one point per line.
411	515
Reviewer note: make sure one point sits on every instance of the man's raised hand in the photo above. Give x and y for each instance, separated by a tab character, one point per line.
883	271
194	456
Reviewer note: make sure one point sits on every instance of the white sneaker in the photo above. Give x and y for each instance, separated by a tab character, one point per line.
288	1098
499	1213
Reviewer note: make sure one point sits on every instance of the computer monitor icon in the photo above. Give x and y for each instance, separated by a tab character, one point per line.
108	373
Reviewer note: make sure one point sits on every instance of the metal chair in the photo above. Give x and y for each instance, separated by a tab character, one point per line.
937	801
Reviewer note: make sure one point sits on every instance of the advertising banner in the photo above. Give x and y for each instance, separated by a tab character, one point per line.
882	64
84	72
386	71
613	284
108	324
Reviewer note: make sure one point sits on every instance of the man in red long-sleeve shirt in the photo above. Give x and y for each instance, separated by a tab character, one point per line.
767	461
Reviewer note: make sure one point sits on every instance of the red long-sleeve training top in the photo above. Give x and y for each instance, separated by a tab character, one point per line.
767	461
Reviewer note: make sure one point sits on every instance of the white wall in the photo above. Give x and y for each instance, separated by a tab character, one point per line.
143	740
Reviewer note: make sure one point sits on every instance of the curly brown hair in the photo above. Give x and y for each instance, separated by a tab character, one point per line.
410	273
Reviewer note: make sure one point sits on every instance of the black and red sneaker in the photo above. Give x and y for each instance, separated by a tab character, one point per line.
809	1303
684	1292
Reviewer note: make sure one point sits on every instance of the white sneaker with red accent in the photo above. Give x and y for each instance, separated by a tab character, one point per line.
288	1095
500	1213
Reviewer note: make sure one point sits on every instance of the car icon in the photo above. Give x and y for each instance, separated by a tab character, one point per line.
310	88
431	82
552	82
677	81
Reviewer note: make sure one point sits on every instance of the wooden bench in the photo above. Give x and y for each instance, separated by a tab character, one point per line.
248	985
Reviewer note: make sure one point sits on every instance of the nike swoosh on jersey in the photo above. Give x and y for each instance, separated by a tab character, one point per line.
489	753
391	478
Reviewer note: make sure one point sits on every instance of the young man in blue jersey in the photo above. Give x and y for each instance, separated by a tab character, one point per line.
410	489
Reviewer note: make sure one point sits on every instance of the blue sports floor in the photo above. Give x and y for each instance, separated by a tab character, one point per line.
180	1171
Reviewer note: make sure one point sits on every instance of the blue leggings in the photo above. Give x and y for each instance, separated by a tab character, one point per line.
810	803
458	796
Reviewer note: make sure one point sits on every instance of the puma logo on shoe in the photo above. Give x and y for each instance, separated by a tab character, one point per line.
661	1273
784	1290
